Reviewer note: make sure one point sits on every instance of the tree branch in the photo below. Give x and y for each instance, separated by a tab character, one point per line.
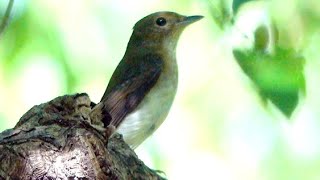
55	140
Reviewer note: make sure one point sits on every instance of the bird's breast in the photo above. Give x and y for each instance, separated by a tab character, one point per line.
153	109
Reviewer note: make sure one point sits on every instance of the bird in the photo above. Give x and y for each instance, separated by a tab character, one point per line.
143	86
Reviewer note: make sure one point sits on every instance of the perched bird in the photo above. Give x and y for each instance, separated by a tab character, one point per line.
143	86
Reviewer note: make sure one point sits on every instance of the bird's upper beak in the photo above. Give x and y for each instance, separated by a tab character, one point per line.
190	19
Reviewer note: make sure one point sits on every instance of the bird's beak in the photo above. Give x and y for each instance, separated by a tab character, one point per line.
190	19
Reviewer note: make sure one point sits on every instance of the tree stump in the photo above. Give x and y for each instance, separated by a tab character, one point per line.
56	140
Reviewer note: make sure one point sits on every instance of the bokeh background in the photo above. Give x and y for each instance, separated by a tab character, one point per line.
218	127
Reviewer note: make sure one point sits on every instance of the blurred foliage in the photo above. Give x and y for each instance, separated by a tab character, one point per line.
279	77
221	13
278	72
236	4
218	128
31	33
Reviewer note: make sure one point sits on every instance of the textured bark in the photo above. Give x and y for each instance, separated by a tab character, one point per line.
55	140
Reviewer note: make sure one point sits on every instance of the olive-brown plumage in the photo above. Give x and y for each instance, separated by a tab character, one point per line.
143	86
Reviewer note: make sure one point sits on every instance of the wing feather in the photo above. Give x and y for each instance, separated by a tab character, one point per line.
126	91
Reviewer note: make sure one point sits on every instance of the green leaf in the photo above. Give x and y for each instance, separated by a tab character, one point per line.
279	77
236	4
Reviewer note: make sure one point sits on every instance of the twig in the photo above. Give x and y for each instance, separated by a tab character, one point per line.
5	19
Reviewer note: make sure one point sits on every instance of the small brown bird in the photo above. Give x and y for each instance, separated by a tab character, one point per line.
143	86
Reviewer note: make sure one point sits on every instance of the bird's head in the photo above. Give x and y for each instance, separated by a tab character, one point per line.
162	26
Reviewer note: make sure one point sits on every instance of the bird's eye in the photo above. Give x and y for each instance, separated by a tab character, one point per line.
161	21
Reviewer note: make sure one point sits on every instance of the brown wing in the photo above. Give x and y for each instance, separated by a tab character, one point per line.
129	84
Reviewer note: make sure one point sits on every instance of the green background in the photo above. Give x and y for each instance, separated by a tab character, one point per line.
218	127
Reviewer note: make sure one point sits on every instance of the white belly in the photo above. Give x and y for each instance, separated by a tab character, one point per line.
152	110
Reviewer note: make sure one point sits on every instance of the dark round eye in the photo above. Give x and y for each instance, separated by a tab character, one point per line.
161	21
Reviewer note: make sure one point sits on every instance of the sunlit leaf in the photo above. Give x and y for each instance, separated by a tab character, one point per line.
279	77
